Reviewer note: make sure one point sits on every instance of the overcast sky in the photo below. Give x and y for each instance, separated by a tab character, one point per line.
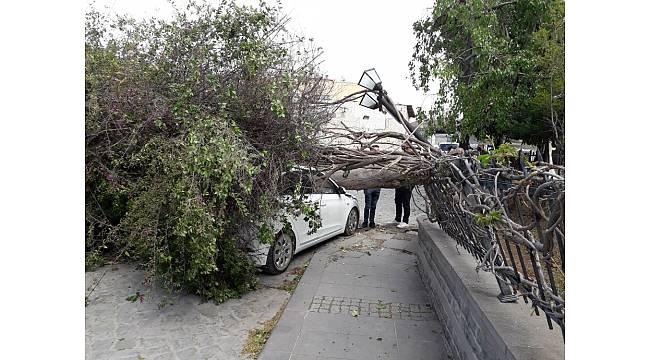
355	35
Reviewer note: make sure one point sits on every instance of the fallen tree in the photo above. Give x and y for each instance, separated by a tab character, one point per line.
361	160
506	211
360	179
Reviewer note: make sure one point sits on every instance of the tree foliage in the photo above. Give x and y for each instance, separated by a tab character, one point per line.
189	124
500	67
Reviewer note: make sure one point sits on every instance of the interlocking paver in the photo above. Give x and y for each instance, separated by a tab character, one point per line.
370	308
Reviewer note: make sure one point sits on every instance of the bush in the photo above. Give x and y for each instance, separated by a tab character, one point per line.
189	125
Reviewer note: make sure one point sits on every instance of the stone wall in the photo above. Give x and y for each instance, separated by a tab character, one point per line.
476	324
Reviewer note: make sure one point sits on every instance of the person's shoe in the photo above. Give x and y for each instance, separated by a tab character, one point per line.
395	222
364	225
402	225
372	225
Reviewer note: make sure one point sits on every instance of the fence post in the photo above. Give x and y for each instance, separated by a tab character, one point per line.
507	294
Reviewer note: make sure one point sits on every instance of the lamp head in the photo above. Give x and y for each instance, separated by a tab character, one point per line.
370	101
370	79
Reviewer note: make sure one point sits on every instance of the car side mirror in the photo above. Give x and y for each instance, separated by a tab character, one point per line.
342	190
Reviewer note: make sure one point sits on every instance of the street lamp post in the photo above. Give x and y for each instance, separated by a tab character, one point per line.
377	98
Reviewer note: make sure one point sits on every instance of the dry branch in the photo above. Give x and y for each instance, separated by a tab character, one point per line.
509	216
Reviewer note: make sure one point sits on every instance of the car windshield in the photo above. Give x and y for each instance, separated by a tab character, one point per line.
323	185
291	179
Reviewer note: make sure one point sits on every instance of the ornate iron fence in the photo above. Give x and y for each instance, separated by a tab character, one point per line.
511	219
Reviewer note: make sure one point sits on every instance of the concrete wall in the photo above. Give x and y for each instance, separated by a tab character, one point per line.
477	325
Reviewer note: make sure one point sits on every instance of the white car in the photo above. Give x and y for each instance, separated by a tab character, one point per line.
339	214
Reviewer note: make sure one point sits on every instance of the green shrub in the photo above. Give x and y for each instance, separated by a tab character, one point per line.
94	259
189	125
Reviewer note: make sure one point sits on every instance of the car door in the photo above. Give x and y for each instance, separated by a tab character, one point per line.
312	198
299	225
332	207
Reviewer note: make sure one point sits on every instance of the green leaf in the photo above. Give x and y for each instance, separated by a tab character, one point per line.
484	159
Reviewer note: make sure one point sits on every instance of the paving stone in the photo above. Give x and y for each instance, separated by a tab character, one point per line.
189	353
127	354
384	236
338	323
397	243
319	343
370	326
404	283
364	347
184	328
168	356
302	297
356	269
125	344
413	296
102	345
418	330
311	357
283	337
423	350
102	355
366	292
275	355
339	278
211	352
311	277
397	257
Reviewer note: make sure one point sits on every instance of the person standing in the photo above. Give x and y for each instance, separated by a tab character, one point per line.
402	202
372	196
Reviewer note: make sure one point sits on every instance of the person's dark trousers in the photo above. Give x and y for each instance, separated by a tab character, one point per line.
402	200
372	196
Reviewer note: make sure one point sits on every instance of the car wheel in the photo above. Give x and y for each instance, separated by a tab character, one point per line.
352	223
280	254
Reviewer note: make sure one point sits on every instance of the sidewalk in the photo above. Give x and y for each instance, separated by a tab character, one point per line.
173	326
360	298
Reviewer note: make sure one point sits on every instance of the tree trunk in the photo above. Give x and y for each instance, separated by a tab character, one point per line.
360	179
543	149
498	140
464	142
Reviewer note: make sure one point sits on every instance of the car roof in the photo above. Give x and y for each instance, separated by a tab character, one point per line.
300	168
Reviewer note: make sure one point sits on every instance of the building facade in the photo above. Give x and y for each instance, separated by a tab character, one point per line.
358	118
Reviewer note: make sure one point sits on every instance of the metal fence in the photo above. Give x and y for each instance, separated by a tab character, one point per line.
510	217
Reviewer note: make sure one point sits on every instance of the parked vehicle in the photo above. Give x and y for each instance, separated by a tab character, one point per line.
445	147
339	214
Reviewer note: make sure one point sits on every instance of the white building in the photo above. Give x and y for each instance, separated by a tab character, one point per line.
359	118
